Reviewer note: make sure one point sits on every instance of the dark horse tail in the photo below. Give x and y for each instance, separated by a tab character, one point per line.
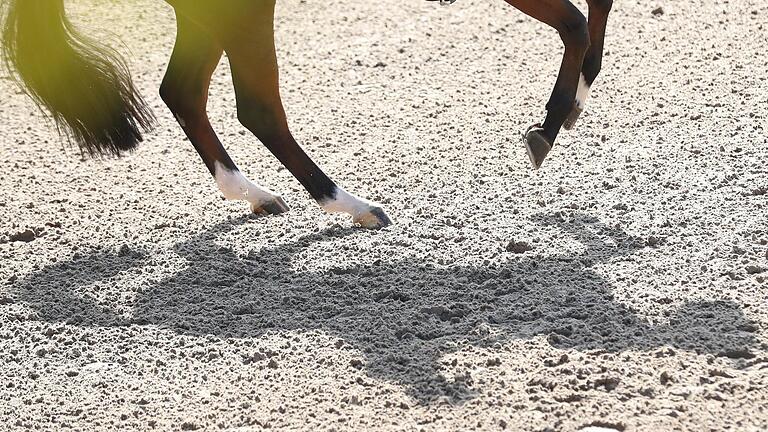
85	86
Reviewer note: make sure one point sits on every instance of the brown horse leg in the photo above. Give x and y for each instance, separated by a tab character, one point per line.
245	29
570	23
185	91
598	20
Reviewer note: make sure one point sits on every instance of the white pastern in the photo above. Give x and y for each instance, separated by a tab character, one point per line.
582	93
345	202
235	186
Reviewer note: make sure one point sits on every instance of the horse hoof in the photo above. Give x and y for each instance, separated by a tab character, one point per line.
273	207
375	218
537	146
573	116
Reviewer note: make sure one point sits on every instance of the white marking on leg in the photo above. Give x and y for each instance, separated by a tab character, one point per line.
582	93
345	202
235	186
364	212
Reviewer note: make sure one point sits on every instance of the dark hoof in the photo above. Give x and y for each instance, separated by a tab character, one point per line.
274	207
573	116
374	219
537	146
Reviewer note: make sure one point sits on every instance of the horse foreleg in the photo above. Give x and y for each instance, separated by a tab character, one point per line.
593	60
185	91
570	23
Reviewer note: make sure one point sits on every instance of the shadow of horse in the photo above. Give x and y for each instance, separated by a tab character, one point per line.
403	316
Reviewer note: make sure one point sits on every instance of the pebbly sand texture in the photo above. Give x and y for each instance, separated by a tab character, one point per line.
132	297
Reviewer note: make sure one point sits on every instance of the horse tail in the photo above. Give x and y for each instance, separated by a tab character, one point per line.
84	85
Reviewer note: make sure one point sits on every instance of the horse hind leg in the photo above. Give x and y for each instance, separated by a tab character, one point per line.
185	91
248	40
598	20
260	110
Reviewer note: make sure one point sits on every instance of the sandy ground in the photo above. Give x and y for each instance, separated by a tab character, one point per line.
144	301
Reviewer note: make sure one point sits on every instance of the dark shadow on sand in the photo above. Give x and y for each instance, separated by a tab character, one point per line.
403	315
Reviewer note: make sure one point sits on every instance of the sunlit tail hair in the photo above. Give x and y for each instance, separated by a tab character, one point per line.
85	86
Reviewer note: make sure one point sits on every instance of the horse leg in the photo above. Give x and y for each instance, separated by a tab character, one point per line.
598	20
570	23
248	39
185	91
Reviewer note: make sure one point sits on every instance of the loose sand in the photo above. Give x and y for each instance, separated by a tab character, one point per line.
144	301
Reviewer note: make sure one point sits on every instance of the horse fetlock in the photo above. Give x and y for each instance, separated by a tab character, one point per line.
560	102
573	116
237	187
582	94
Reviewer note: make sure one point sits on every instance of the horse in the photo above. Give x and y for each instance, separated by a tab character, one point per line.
88	89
